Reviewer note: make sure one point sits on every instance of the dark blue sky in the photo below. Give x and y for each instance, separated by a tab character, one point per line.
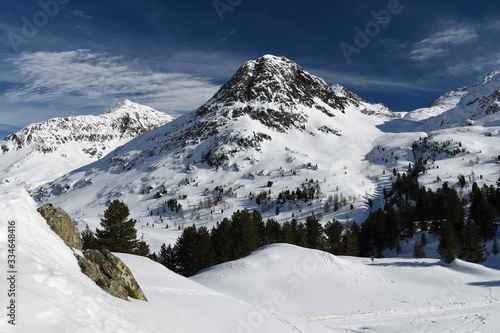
70	57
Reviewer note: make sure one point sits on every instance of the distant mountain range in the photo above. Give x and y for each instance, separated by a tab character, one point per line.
273	128
46	150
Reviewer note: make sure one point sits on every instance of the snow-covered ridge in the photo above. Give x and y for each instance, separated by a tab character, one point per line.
58	145
461	105
124	121
355	294
368	108
53	295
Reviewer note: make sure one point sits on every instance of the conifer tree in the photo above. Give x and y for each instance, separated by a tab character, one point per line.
118	233
244	233
222	241
169	257
314	233
272	232
333	231
88	238
447	247
162	254
143	247
472	249
483	213
494	248
288	233
194	250
418	250
352	240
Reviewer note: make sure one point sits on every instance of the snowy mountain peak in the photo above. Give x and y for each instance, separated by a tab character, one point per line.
74	141
484	88
127	105
264	97
276	91
493	77
461	106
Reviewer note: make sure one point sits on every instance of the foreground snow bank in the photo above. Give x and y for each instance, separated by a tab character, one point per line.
52	295
388	295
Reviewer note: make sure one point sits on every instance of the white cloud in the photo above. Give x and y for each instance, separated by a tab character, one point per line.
76	78
353	81
82	15
442	42
480	65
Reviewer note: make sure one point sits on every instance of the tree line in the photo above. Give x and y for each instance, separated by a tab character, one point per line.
232	238
408	207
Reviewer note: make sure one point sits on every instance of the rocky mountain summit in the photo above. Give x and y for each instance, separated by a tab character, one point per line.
58	145
124	121
265	97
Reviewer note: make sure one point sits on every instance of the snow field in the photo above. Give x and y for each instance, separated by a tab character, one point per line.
346	293
54	296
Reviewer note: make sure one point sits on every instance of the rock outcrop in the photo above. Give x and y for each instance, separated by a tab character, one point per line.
110	273
104	268
62	224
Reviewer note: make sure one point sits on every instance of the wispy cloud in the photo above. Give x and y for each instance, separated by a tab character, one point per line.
442	42
76	78
374	83
81	14
480	65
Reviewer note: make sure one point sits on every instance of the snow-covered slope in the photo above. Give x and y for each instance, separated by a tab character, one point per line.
279	288
365	107
272	122
354	294
458	134
462	106
52	295
56	146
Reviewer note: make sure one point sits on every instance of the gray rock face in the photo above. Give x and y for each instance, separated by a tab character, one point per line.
62	224
104	268
110	273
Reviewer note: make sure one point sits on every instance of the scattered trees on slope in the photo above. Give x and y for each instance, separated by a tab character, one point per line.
407	207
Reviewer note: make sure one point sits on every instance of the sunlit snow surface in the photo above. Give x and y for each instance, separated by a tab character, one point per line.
54	296
279	288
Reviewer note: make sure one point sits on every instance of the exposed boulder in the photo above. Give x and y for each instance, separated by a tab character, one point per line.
62	224
110	273
104	268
